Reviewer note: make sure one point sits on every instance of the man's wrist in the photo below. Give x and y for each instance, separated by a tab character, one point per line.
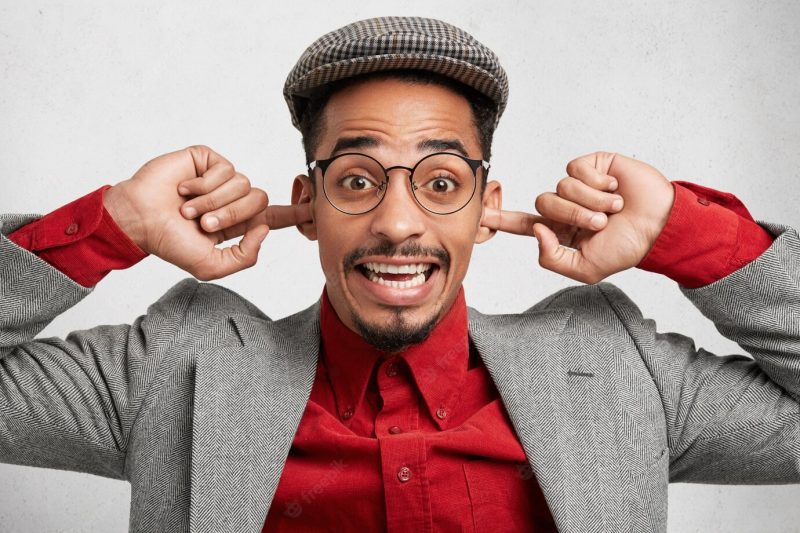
709	235
123	215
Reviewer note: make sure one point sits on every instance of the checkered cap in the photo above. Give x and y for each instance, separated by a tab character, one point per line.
387	43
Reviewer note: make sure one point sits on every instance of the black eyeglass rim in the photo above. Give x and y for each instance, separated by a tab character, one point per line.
474	164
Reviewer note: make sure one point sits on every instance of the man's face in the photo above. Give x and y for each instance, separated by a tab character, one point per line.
392	121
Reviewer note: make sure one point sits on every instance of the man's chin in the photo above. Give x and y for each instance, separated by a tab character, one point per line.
396	333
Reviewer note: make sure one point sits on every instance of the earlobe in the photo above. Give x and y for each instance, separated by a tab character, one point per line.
492	198
303	193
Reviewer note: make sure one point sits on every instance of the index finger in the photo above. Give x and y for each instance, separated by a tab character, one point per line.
284	216
516	222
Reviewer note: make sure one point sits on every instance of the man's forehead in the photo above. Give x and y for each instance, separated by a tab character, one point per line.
430	145
389	114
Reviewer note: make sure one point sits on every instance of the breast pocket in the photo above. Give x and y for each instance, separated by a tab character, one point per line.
505	497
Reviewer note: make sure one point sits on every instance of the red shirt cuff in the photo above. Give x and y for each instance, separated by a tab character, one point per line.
708	235
81	240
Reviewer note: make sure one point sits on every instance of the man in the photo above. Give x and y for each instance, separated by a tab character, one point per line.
389	404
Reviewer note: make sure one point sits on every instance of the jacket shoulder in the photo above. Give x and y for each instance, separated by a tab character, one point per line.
202	303
587	299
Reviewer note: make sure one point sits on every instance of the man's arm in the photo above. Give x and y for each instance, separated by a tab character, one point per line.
729	419
69	403
732	419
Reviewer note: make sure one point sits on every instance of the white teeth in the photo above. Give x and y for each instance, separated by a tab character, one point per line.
414	268
417	280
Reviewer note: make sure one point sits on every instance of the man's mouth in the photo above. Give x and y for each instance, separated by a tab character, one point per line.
397	276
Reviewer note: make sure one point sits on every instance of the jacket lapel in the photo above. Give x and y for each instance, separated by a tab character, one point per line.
250	395
546	375
248	401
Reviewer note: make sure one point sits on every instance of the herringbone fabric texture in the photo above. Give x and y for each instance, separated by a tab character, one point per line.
196	402
388	43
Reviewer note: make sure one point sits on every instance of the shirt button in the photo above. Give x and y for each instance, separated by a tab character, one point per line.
394	430
72	229
702	201
441	413
392	369
404	474
348	413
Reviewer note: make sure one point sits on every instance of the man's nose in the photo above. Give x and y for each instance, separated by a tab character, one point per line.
398	217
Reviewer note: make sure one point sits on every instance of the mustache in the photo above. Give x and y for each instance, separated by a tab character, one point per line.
412	249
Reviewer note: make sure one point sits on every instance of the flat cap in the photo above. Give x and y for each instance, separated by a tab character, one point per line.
388	43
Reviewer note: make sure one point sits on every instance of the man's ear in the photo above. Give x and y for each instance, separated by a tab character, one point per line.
303	193
493	198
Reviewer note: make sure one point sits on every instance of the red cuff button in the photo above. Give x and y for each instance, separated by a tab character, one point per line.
72	229
702	201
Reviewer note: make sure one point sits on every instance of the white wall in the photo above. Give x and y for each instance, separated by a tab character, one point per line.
706	93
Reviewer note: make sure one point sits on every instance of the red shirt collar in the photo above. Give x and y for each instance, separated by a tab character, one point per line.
438	364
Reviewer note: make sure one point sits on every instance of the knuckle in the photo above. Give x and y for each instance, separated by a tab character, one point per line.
577	216
198	148
210	203
261	197
572	167
201	186
541	202
227	169
227	215
241	182
564	186
249	259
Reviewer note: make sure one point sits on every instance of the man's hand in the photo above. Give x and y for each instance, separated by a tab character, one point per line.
180	205
581	233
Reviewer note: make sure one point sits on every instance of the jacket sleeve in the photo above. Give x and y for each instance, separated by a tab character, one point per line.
70	403
732	419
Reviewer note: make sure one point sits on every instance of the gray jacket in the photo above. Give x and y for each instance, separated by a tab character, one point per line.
196	402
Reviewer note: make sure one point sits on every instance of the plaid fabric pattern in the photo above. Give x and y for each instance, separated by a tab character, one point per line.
388	43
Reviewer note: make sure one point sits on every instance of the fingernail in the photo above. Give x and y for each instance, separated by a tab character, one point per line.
183	190
613	185
598	219
190	212
212	222
617	205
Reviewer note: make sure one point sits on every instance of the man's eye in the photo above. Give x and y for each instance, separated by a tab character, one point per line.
442	184
356	183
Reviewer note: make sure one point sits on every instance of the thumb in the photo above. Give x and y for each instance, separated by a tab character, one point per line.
237	257
557	258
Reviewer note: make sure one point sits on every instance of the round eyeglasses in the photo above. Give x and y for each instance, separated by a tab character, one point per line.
441	183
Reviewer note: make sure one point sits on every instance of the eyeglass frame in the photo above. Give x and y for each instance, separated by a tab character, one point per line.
474	164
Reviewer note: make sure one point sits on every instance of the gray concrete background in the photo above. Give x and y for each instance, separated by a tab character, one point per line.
91	90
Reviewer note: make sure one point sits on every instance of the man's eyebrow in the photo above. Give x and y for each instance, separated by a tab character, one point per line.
427	145
354	143
442	145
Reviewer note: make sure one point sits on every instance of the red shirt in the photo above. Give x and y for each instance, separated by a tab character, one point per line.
419	441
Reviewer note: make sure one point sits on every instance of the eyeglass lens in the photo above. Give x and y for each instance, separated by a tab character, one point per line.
442	183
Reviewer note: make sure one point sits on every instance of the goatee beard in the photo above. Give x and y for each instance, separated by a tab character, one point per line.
396	336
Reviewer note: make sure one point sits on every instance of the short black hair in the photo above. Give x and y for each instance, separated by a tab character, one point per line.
484	110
